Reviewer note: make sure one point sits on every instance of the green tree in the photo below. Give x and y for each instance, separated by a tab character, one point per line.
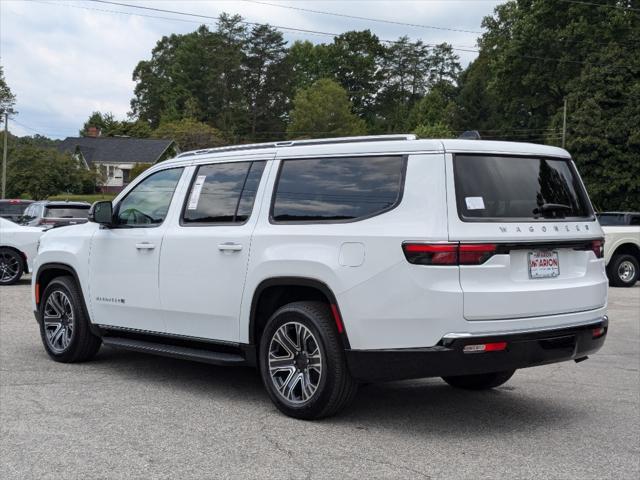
39	172
308	62
355	60
190	134
323	110
110	127
7	98
138	169
267	80
433	130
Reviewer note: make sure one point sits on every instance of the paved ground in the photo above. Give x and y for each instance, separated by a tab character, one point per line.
128	415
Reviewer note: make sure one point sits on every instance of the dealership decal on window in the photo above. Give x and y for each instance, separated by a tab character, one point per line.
474	203
195	193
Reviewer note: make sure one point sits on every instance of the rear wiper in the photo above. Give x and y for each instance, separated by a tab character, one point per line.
551	207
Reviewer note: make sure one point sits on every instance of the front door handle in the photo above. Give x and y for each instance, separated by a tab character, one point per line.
229	247
145	246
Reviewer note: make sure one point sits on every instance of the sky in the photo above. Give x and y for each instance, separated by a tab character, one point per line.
66	59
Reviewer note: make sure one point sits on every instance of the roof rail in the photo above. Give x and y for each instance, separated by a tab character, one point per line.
293	143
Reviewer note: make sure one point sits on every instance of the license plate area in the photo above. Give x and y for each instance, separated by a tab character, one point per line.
543	264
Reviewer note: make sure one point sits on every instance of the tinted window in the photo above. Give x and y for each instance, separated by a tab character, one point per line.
330	189
13	208
612	219
517	187
67	212
634	220
223	193
148	203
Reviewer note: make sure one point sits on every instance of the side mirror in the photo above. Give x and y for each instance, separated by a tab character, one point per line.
102	213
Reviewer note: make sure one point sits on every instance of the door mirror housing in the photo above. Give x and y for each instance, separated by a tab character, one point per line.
102	213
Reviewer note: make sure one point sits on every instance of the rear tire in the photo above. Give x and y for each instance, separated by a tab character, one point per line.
11	266
481	381
302	362
64	325
623	270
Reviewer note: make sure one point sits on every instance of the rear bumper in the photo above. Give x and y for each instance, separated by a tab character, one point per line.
523	350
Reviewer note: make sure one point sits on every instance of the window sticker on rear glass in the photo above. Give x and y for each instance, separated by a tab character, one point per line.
474	203
195	192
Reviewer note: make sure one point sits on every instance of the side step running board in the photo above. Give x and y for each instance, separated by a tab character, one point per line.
186	353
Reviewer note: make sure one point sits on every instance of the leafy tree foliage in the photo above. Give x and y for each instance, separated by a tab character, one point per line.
190	134
533	56
39	172
110	127
138	169
7	98
433	130
323	110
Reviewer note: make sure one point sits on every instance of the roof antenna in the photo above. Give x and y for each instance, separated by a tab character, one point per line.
470	135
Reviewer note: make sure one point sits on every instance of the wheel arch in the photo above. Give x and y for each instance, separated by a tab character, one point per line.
48	272
275	292
627	248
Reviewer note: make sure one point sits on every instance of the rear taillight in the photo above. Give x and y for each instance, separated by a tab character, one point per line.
598	248
448	253
431	254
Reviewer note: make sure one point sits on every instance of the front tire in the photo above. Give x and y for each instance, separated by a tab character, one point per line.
11	266
64	325
302	362
483	381
623	270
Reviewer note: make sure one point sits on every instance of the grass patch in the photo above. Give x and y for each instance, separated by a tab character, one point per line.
94	197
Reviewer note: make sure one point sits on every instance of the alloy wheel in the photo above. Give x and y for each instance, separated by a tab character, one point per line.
58	321
295	362
9	267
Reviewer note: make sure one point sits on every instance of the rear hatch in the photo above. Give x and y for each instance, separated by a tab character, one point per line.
536	246
65	214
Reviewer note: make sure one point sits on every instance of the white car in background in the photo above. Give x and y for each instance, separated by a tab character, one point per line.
18	248
621	247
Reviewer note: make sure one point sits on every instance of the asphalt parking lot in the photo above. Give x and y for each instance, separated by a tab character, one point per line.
128	415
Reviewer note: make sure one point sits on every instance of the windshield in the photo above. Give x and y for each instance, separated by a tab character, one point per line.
499	187
67	212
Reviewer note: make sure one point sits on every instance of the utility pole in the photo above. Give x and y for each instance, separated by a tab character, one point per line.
564	122
4	154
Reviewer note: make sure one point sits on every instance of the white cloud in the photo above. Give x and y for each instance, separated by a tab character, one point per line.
65	59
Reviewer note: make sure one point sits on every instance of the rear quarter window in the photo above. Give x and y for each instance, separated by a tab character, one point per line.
337	189
518	188
67	212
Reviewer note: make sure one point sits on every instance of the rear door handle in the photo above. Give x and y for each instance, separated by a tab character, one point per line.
229	247
145	246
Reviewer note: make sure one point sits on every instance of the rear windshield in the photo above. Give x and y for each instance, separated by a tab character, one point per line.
12	208
524	188
612	220
67	212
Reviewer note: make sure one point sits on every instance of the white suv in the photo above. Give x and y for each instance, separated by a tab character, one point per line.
326	263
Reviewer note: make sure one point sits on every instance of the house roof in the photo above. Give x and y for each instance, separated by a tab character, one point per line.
116	149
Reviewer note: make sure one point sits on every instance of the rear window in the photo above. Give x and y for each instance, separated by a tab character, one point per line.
337	189
612	220
12	208
67	212
518	188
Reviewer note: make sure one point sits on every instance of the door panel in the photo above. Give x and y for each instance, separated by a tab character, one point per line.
124	260
204	257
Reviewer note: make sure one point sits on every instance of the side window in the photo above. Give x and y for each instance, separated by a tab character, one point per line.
148	203
337	189
634	220
223	193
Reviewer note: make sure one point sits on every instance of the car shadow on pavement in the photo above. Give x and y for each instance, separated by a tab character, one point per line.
423	407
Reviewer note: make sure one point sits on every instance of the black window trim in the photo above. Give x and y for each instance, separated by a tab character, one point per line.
116	210
274	190
582	193
185	201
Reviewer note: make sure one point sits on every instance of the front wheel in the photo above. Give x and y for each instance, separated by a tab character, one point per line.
481	381
302	362
623	270
64	325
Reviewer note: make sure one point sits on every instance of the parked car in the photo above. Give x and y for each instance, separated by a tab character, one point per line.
327	263
622	247
18	248
50	213
13	209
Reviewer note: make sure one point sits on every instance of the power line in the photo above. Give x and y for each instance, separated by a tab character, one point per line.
58	134
369	19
